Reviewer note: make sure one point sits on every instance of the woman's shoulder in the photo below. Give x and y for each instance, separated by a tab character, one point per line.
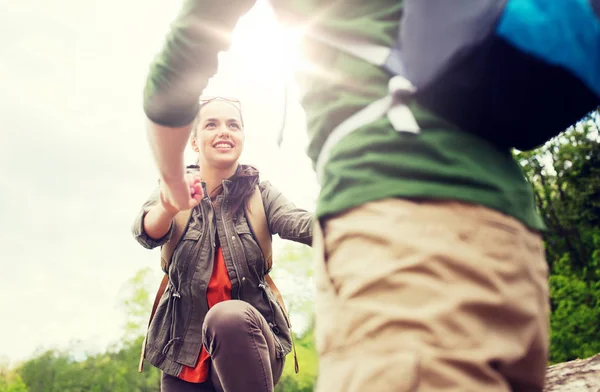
271	194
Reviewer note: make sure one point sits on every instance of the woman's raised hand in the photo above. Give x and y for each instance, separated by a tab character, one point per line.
181	195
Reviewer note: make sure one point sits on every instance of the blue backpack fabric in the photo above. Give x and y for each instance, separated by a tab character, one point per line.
515	72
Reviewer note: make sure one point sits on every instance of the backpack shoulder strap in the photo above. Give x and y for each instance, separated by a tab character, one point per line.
180	222
257	220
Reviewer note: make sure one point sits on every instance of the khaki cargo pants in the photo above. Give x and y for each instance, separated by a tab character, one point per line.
430	296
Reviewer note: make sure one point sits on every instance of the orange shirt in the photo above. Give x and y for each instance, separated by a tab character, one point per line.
218	290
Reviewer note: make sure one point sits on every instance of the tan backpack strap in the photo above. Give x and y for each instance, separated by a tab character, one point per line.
257	219
180	222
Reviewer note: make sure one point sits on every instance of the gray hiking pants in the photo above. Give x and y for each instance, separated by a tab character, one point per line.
242	350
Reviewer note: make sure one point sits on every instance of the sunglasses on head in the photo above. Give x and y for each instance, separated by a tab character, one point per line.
235	101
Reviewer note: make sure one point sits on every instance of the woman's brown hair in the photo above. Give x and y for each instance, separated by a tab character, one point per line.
243	183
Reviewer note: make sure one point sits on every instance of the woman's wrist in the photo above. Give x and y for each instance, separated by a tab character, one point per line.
167	213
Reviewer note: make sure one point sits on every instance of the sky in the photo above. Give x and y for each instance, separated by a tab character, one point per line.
75	166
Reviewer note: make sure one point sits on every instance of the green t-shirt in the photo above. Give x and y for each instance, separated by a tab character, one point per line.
372	163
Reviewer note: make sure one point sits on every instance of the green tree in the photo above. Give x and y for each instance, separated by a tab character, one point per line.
293	274
114	370
565	174
10	381
136	303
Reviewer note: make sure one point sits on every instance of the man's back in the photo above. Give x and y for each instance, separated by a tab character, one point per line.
371	163
376	161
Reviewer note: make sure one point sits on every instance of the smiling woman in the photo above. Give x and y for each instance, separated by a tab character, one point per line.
218	135
220	305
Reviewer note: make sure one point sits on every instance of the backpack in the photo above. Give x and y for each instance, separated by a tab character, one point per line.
514	72
257	220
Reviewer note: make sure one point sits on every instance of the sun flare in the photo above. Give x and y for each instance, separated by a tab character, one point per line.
265	44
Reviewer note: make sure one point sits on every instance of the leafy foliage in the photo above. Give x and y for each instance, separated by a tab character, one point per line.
565	174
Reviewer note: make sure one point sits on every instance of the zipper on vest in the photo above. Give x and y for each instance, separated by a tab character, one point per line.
237	273
172	339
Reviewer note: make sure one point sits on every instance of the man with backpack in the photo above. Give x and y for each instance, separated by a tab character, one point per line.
431	272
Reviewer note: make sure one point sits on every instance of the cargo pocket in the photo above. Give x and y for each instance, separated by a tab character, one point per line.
251	248
187	247
193	231
360	371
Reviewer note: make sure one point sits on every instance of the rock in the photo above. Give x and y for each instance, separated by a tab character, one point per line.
579	375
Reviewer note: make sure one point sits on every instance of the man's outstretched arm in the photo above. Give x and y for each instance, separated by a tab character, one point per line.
177	77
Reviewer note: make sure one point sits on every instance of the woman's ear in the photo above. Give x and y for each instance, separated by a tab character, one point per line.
194	144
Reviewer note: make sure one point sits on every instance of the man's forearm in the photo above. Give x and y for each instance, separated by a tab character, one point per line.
168	146
189	58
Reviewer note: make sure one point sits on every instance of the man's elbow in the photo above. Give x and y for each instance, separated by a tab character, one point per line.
169	111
